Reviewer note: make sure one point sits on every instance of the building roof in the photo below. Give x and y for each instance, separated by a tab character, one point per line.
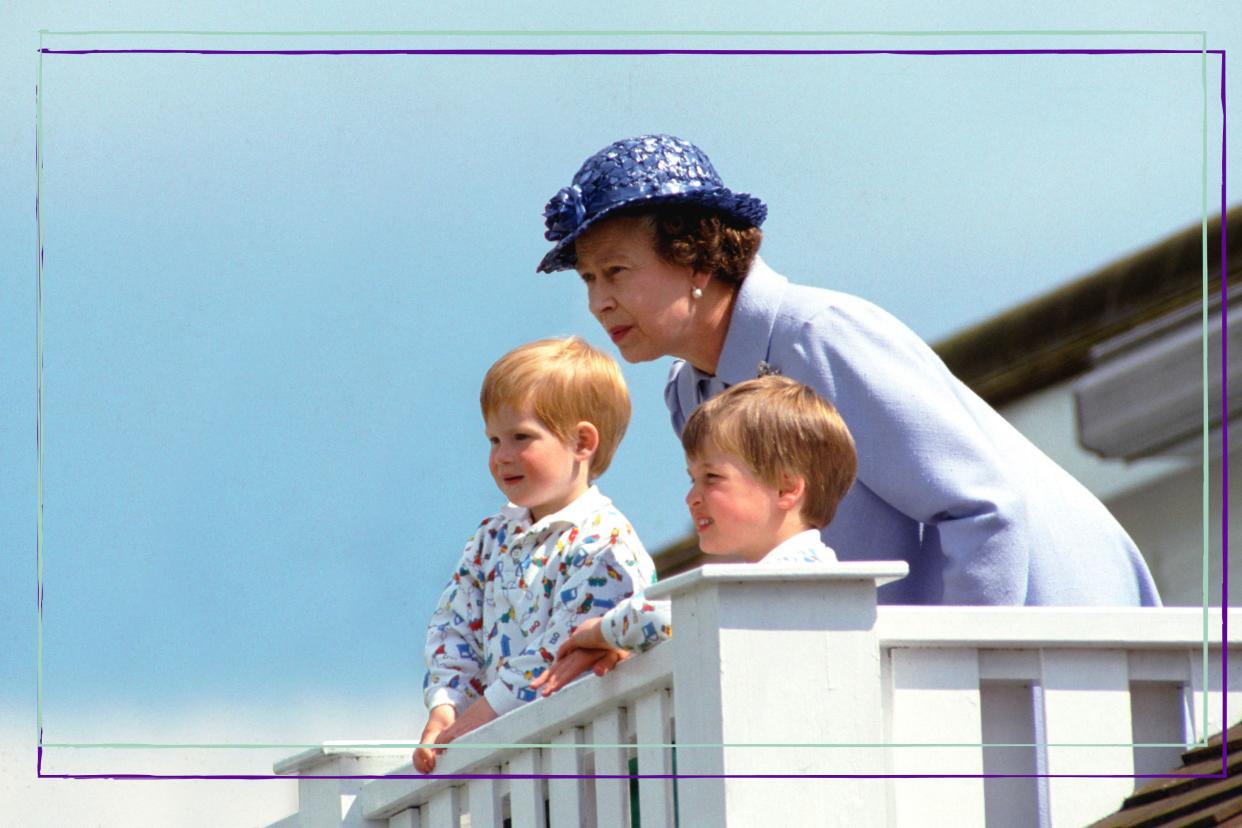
1048	339
1188	802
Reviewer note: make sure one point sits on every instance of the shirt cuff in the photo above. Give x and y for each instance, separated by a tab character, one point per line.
443	695
610	624
501	698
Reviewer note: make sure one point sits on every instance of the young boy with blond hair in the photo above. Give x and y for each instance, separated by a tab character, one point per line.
558	554
769	460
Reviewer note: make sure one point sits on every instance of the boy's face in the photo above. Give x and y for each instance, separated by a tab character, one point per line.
530	464
733	511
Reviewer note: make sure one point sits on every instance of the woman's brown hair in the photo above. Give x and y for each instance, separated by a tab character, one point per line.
707	240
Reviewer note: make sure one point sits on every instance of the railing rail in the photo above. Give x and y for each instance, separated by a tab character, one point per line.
796	673
1062	693
582	729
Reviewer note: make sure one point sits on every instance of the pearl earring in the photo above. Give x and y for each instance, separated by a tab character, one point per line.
697	293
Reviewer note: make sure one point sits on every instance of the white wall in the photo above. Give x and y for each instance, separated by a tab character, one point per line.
1159	501
1165	519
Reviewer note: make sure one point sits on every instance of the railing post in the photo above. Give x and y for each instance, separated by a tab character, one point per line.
786	658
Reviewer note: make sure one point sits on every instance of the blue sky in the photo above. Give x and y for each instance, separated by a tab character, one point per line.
272	285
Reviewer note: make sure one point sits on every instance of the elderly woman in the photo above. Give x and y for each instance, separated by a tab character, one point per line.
669	259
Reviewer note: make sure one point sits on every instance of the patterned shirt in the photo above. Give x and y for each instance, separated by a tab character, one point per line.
639	624
519	590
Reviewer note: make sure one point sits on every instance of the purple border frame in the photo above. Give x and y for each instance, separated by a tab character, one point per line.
785	52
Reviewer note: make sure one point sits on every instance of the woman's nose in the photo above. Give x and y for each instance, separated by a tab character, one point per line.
599	299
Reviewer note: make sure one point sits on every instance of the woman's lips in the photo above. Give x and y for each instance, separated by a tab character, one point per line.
618	332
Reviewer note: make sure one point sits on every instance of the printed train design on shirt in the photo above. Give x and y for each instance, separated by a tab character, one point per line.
519	590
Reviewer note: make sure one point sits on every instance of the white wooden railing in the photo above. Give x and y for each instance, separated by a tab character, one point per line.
776	674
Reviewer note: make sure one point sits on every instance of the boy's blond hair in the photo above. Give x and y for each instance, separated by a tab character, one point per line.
564	381
773	425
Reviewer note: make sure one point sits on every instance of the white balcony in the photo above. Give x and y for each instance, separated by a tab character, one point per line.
776	674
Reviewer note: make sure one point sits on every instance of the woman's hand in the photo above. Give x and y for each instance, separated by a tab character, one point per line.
585	649
440	719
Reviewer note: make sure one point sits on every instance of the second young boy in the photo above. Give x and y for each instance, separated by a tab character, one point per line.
769	460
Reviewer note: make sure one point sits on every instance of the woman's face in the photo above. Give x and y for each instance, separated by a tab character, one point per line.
642	301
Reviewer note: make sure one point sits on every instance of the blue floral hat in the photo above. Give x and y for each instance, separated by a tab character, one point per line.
649	168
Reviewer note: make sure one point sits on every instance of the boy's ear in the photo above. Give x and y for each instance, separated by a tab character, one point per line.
586	440
790	491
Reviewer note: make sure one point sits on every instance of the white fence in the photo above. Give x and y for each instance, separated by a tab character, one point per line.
776	675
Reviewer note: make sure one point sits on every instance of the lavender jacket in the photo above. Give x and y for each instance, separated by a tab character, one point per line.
944	482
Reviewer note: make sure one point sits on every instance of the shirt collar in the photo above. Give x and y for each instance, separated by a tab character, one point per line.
576	512
750	326
750	330
803	540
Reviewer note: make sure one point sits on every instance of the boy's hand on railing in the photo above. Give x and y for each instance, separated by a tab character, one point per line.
564	670
585	650
477	714
611	658
586	636
440	718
